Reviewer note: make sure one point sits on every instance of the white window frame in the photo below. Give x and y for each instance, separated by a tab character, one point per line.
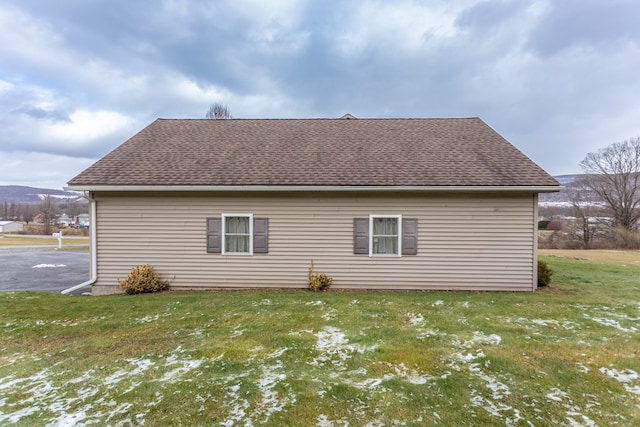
224	233
399	236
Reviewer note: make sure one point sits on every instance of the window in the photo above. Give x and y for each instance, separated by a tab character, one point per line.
237	234
385	232
385	235
237	230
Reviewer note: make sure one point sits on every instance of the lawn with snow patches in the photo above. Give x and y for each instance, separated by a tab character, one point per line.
566	355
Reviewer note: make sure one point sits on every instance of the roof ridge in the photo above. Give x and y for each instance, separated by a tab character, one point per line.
319	119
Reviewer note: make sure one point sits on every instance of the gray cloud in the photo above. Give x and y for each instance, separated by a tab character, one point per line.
587	24
556	78
41	113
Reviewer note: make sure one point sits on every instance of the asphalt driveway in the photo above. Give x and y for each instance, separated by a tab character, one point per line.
38	269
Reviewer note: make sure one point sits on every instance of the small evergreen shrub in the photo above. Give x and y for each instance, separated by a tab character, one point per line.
544	273
143	279
542	224
318	282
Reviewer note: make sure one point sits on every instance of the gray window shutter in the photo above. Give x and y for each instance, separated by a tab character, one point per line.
214	235
409	236
260	235
361	236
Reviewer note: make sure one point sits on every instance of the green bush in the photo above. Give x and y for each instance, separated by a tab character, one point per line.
544	273
143	279
318	282
542	224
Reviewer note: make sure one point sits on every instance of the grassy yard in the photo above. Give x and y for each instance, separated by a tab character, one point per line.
567	355
17	240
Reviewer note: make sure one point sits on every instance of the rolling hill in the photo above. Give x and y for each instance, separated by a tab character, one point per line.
24	194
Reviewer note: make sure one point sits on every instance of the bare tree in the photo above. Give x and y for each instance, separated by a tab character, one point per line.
613	173
48	211
27	213
583	209
218	111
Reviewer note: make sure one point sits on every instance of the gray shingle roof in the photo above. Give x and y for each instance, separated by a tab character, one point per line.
316	152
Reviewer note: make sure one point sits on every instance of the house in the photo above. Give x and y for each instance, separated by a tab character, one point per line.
82	221
63	221
10	227
375	203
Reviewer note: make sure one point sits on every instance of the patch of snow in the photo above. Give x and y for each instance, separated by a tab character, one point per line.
148	319
544	322
574	415
611	323
277	353
584	420
437	303
557	395
49	266
80	405
426	333
469	357
415	319
366	384
496	409
185	365
329	314
271	400
236	332
414	377
335	347
196	333
498	390
324	421
584	369
238	406
315	303
480	337
568	325
625	377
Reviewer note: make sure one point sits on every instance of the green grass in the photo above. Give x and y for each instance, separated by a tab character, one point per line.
41	241
564	355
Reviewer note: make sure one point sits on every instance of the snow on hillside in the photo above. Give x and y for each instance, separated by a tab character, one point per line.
24	194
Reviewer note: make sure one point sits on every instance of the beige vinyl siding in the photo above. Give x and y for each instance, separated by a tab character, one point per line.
465	241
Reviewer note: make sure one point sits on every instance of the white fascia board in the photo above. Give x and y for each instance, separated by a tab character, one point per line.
306	188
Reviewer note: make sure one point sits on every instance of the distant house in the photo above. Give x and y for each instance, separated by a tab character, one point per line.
10	227
63	220
82	220
375	203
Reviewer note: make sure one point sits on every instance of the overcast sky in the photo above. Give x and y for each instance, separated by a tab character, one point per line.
557	78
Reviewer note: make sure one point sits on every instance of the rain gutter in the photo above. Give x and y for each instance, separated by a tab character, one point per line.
317	188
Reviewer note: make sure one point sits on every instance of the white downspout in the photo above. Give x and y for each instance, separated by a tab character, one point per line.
93	246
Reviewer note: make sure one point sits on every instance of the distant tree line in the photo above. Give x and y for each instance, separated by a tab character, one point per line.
604	202
48	209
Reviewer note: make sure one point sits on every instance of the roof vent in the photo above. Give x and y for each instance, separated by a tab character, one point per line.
348	117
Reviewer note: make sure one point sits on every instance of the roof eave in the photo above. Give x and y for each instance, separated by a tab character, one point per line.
316	188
